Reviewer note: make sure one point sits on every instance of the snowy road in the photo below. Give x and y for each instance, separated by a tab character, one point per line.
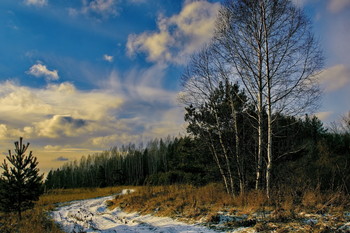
93	216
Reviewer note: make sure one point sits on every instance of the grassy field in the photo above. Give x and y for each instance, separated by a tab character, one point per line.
191	204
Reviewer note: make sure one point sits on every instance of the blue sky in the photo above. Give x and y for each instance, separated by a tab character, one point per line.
81	76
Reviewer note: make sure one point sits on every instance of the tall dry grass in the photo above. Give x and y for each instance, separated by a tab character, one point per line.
189	202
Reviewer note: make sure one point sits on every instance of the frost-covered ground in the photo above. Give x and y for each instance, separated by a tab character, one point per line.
92	215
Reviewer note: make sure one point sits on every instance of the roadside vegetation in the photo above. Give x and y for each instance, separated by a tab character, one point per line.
309	211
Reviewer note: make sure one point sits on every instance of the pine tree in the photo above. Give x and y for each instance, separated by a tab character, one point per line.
20	182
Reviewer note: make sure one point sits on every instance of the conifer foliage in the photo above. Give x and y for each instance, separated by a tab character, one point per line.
20	182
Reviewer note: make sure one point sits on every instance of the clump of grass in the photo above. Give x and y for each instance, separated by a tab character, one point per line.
311	198
254	200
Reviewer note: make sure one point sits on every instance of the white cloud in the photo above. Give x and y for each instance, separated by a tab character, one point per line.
134	110
21	100
56	111
90	105
151	110
36	2
61	126
73	12
142	87
100	8
177	36
40	70
335	6
108	58
335	77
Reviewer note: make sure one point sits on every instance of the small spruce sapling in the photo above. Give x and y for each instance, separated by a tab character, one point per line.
20	182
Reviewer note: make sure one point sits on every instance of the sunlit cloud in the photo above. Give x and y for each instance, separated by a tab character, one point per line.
54	111
52	148
39	3
132	107
177	36
40	70
3	131
323	116
335	77
61	126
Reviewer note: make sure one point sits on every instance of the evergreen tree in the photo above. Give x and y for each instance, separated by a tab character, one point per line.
20	183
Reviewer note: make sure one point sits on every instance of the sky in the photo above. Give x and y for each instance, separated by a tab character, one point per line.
78	77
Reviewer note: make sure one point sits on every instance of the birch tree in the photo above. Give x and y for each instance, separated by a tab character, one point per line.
272	52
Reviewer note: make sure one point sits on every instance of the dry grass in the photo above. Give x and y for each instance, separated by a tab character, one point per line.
191	203
176	200
282	212
37	220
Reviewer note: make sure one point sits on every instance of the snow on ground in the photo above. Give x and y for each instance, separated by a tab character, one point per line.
92	215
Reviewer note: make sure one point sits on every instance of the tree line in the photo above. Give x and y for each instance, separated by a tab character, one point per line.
168	161
310	157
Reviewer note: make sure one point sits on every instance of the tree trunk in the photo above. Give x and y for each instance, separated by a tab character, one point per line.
260	147
259	97
269	152
269	103
227	160
237	140
216	158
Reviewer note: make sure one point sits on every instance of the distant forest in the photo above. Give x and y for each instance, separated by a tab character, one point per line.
315	159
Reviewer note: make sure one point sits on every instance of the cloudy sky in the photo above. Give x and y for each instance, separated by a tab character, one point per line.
77	77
